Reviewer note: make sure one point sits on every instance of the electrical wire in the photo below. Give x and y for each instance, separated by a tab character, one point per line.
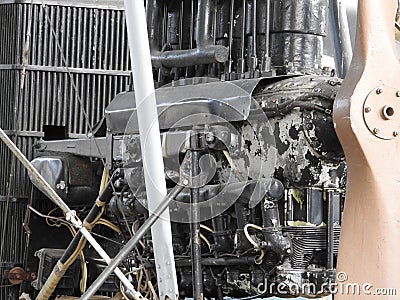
235	170
153	291
259	259
79	249
48	217
140	288
206	241
59	222
134	232
108	224
206	228
249	238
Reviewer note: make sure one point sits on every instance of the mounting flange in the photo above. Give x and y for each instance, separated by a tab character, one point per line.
382	112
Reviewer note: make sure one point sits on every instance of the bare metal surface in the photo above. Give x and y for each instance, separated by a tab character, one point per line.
104	4
341	35
371	229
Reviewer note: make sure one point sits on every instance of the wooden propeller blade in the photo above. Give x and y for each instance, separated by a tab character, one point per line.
367	120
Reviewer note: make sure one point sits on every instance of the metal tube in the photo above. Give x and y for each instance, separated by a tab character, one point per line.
197	272
254	28
345	39
126	250
253	61
267	59
341	36
70	215
333	201
154	13
128	285
231	19
205	52
186	58
204	24
151	145
241	62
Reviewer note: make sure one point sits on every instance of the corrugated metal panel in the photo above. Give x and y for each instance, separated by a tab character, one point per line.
93	42
14	241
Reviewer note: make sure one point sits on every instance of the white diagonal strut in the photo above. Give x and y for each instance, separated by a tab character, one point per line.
151	145
70	215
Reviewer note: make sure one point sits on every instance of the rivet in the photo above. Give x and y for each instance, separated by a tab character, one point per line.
376	130
396	133
367	109
379	91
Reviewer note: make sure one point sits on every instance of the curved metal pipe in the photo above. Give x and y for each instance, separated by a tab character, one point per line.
206	52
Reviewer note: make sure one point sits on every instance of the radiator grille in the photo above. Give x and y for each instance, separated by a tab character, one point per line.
14	240
94	44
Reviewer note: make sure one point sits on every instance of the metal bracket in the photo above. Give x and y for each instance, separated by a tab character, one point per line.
109	156
382	112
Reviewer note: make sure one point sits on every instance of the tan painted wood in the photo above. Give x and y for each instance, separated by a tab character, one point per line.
370	242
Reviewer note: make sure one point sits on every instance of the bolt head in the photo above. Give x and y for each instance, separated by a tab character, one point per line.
376	130
379	91
396	133
210	137
398	94
367	109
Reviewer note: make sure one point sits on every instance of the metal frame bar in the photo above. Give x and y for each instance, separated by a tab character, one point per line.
70	214
150	144
126	250
341	36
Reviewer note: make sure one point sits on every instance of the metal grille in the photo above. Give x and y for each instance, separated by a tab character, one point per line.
94	44
306	241
93	41
14	244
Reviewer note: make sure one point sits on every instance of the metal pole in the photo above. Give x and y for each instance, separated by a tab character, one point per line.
151	145
330	231
341	36
70	215
126	250
130	290
197	272
267	59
